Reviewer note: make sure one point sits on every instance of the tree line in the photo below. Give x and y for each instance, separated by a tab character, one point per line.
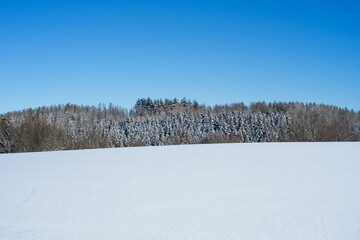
170	121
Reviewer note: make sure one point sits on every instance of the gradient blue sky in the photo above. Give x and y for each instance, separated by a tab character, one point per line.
217	52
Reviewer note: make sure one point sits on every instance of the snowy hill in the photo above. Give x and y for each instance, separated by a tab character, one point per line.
225	191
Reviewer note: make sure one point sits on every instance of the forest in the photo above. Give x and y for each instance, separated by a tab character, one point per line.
154	122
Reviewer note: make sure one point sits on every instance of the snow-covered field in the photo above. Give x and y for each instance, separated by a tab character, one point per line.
225	191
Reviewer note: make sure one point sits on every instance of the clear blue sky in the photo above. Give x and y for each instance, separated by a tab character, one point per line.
90	52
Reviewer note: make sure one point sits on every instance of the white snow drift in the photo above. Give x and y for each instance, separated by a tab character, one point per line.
225	191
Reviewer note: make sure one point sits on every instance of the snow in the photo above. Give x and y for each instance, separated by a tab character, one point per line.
219	191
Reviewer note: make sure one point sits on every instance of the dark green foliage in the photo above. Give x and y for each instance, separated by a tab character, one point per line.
158	122
7	136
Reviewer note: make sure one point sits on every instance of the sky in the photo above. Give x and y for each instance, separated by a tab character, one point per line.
215	52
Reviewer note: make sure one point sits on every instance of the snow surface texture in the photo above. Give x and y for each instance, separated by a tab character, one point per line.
224	191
